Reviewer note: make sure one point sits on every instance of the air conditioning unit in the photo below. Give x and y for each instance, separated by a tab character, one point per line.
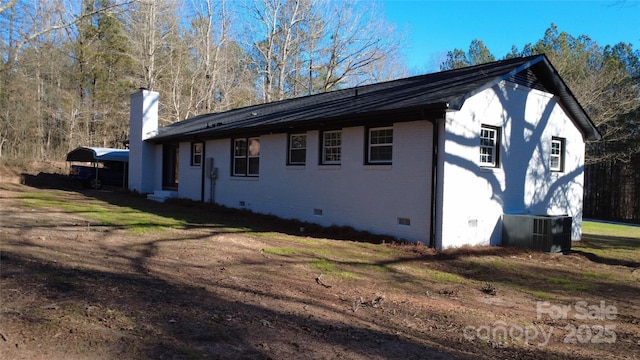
549	233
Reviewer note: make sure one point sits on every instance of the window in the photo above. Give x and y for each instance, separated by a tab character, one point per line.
297	149
331	147
489	146
557	154
380	145
246	157
196	154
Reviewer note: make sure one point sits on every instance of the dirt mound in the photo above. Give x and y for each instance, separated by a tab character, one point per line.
9	175
42	174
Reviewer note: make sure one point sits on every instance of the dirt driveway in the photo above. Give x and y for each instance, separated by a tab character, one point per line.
229	285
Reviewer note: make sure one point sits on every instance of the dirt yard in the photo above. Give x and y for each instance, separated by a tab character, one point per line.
109	275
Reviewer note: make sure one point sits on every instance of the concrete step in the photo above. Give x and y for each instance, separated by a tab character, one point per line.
162	195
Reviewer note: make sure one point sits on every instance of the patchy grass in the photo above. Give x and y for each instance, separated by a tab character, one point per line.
280	251
331	268
445	277
568	284
105	214
223	284
539	294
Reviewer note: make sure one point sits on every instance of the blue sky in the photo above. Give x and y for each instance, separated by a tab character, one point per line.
435	27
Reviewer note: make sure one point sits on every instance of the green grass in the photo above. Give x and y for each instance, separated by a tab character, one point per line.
611	242
442	276
280	251
105	214
330	268
592	275
628	234
568	284
539	294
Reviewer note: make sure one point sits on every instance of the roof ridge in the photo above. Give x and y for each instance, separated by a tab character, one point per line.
427	92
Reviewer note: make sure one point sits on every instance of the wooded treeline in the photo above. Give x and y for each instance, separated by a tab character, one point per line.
606	82
68	68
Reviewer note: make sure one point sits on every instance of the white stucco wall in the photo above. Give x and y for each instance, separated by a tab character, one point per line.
366	197
474	198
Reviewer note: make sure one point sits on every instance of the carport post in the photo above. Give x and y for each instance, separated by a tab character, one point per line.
125	170
95	164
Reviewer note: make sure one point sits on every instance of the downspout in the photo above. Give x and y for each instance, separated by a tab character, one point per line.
213	175
434	183
203	165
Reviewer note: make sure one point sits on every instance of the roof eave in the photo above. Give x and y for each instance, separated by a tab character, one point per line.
569	101
424	112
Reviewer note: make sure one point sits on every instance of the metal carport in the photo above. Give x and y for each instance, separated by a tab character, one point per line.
100	154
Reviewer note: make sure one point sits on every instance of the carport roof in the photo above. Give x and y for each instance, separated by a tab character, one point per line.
91	154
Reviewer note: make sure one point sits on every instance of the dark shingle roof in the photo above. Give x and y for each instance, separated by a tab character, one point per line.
417	95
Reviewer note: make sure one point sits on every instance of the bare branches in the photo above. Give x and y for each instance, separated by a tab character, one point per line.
306	47
8	5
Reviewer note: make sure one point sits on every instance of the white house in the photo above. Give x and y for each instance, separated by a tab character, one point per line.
438	158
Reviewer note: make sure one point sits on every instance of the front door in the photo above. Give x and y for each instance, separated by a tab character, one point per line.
170	166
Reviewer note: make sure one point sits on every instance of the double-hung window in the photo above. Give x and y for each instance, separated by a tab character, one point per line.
246	157
196	154
380	145
331	147
556	162
489	146
297	149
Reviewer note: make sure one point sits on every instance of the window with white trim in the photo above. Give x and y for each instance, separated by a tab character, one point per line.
297	149
196	154
246	157
556	162
380	145
331	147
489	145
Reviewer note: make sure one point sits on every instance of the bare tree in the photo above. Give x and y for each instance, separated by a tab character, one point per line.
209	36
277	41
320	46
356	40
151	26
207	70
35	80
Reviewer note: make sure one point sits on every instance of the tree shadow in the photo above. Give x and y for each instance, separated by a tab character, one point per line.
607	260
522	182
199	215
196	319
151	317
169	320
591	247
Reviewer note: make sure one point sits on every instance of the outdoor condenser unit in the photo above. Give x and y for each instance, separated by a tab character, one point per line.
549	233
